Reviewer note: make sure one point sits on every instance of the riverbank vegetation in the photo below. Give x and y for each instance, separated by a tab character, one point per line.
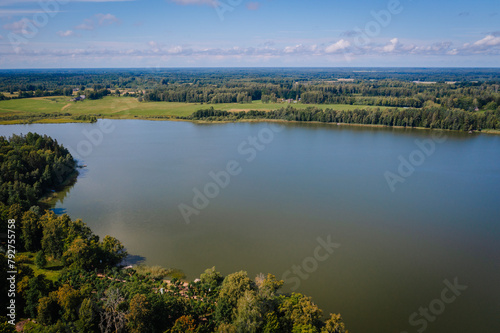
70	280
461	99
430	117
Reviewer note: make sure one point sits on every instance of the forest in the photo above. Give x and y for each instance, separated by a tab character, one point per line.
432	117
70	280
459	99
456	99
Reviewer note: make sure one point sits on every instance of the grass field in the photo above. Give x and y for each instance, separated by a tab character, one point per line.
129	108
52	270
8	94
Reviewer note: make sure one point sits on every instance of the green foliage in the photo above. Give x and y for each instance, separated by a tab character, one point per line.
299	310
88	316
69	299
268	286
211	277
302	328
139	315
248	313
184	324
4	268
5	327
153	272
48	309
234	286
31	231
37	288
334	324
40	260
432	117
30	166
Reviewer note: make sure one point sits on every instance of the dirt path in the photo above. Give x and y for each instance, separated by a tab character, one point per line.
66	106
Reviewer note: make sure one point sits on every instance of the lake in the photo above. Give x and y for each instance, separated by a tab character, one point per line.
398	230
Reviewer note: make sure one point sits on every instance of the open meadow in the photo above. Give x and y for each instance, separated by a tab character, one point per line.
61	109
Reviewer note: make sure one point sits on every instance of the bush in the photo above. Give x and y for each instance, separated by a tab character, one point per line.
40	260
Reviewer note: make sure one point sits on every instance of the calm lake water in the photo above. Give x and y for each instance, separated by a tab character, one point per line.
304	182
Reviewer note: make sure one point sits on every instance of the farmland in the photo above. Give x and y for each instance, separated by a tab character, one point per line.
61	109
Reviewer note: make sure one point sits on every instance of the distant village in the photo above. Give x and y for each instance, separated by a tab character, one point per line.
289	101
77	98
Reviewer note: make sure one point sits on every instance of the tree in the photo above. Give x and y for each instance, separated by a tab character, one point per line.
249	311
113	317
48	309
55	230
233	287
31	231
268	286
226	328
5	327
88	316
334	325
298	309
114	251
82	254
40	260
37	288
139	314
69	300
211	278
184	324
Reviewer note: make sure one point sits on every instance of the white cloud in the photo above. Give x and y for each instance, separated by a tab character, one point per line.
97	20
338	46
67	33
489	45
489	40
87	24
106	19
175	50
294	49
19	27
391	46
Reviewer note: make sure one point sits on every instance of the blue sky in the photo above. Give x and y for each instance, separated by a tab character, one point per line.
239	33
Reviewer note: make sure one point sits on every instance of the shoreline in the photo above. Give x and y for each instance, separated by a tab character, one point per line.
159	118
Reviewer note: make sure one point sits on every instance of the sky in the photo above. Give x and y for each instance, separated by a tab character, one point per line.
244	33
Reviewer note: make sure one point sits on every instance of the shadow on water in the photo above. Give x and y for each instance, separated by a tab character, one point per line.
133	259
59	211
82	169
59	194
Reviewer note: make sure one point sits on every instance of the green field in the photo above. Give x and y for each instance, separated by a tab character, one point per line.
52	270
128	108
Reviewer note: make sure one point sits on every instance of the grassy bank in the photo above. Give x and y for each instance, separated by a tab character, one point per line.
61	109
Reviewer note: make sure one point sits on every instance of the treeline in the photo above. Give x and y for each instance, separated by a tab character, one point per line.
93	293
432	117
31	118
126	300
31	165
32	80
385	93
469	90
89	93
188	94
